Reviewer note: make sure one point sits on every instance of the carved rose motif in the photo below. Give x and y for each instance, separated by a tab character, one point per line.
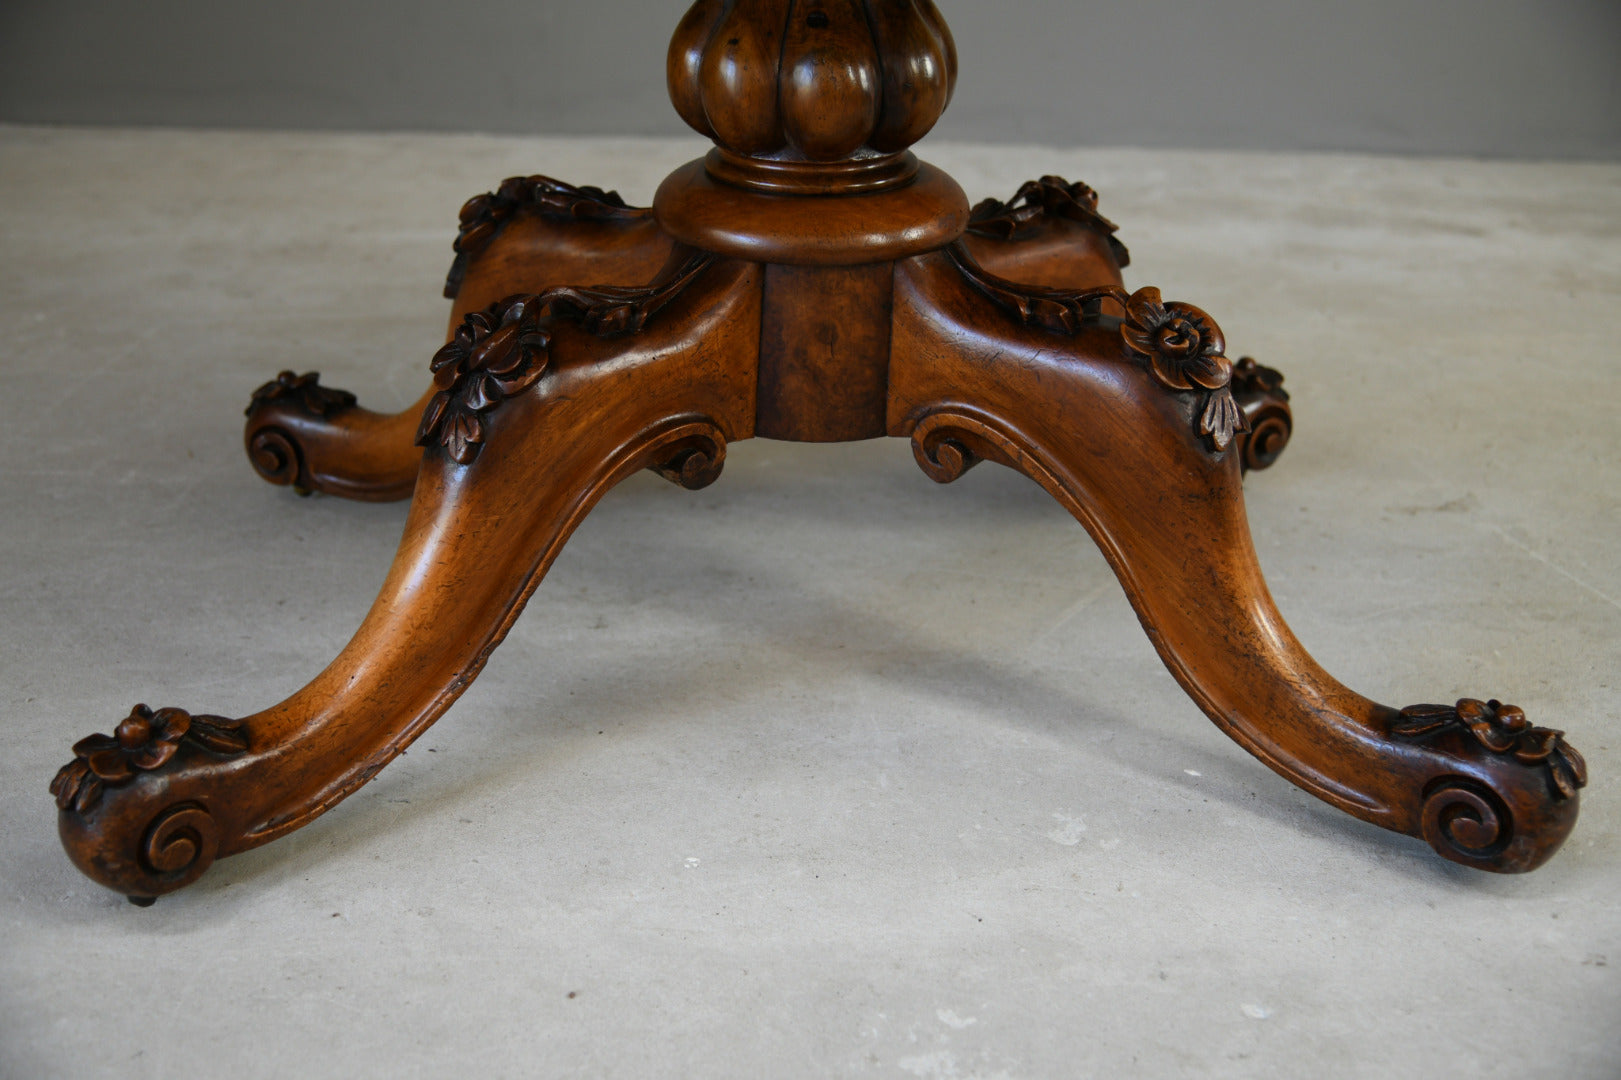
1185	351
1502	729
494	354
306	390
144	740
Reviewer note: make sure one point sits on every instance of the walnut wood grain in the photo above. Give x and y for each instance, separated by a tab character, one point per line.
824	351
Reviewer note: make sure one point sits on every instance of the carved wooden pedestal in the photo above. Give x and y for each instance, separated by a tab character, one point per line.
809	280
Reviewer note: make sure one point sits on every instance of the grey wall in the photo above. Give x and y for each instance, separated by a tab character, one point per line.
1501	78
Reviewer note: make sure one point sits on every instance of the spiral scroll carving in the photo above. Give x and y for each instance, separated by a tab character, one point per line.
277	458
179	845
942	458
1464	819
1270	429
694	462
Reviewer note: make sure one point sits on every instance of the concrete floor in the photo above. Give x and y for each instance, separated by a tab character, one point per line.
825	770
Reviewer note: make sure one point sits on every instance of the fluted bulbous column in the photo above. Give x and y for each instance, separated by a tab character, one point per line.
812	96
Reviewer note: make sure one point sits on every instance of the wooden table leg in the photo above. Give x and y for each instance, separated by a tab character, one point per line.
531	234
541	407
1121	408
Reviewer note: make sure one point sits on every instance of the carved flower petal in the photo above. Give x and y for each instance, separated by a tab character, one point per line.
1145	309
1564	782
1472	711
476	207
1138	340
1498	742
1511	717
483	393
515	358
90	744
1211	371
432	416
169	725
523	380
446	375
493	349
475	238
1535	745
68	779
1215	342
464	435
89	794
1575	761
150	757
110	765
1169	374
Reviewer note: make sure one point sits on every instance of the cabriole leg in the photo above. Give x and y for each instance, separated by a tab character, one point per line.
1122	408
540	405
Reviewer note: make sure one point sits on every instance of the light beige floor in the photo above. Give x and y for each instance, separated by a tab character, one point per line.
825	770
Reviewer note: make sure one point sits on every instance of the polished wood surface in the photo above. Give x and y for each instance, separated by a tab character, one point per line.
809	281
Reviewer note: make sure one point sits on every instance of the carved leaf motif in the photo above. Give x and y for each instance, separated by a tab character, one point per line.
219	734
1039	200
483	216
305	392
1419	720
1500	729
502	351
1221	418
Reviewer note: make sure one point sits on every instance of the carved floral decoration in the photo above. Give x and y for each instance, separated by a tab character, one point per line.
494	354
482	216
1502	729
305	391
1037	200
503	350
1185	351
144	740
1256	379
